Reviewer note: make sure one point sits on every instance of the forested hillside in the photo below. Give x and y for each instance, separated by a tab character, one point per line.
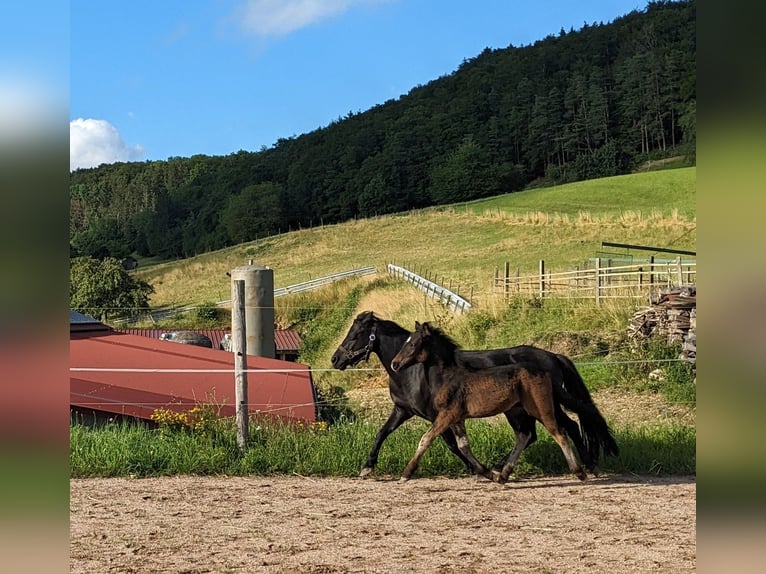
586	103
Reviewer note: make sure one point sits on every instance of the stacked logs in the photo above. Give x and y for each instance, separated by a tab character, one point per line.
672	314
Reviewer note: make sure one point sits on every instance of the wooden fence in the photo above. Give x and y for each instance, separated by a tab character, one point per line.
601	281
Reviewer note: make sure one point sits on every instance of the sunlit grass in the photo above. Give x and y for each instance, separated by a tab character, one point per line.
125	449
464	243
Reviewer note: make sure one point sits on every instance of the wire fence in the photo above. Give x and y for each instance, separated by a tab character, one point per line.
274	408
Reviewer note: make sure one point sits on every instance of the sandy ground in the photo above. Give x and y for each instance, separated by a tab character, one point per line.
190	525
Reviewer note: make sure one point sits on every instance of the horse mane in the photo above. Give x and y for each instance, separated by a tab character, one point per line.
387	327
446	342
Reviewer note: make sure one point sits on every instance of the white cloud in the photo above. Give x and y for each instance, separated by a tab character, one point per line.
93	142
280	17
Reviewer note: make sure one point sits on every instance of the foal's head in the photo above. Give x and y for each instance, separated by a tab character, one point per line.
425	343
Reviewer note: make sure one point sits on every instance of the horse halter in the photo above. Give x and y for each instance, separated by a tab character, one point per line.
366	350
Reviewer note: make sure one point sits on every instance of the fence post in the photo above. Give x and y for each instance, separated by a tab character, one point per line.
542	279
507	278
598	280
679	271
239	346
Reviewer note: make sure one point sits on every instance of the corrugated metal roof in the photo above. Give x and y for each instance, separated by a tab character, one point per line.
134	375
285	340
82	322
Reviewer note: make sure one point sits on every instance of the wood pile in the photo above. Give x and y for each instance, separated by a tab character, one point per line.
672	314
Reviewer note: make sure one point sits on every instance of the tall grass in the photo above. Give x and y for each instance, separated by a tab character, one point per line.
129	449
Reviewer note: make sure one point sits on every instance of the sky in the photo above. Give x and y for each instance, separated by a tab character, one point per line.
152	80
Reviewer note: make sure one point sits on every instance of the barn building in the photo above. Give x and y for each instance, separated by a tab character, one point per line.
118	374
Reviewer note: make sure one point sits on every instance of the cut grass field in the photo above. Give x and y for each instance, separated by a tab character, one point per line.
464	243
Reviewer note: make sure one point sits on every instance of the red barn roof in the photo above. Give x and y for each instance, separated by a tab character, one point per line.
133	375
285	340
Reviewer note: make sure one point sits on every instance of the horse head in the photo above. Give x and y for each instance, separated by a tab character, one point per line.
414	349
359	342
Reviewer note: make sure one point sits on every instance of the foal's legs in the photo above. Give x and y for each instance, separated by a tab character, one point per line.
566	448
526	434
442	423
397	417
572	429
539	402
549	422
465	448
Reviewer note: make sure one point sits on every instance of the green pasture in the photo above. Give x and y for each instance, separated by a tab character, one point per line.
463	244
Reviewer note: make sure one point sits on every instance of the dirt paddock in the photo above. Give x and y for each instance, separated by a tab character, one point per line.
190	525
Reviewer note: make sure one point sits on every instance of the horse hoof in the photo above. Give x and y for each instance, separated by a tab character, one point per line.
581	474
403	479
497	476
365	472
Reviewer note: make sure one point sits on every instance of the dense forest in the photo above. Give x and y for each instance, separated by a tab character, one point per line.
582	104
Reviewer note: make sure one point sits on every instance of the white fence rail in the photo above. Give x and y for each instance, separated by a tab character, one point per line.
448	298
322	281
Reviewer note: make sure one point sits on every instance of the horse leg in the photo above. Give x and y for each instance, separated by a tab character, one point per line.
539	402
526	433
548	418
452	443
566	448
395	419
572	429
462	442
439	425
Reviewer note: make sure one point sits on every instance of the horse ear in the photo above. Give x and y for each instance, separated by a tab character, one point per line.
417	325
426	328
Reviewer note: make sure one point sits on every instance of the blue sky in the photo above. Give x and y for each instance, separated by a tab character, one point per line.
153	80
34	74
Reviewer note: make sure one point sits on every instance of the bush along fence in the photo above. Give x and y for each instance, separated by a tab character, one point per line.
603	280
450	300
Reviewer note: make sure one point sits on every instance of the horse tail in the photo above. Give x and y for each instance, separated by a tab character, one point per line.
573	382
596	433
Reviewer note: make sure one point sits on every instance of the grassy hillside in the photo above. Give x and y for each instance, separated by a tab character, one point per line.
563	225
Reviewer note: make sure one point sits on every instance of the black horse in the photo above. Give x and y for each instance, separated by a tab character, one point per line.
412	394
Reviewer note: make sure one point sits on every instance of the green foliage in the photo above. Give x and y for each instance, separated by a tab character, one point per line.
209	313
332	404
102	288
589	103
653	366
252	213
320	317
130	449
